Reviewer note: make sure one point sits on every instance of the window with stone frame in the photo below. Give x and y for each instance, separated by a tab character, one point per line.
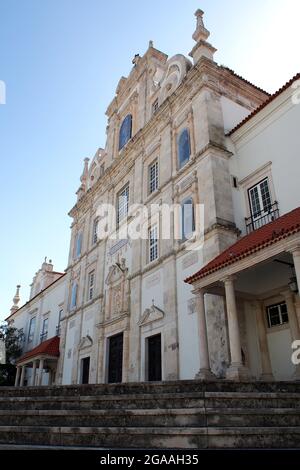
260	199
122	204
153	176
277	314
74	290
187	219
95	230
153	243
125	131
183	147
31	329
44	333
91	284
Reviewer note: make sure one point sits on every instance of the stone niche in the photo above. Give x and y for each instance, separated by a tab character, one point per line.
117	295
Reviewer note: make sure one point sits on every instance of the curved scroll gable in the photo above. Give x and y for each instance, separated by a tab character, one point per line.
177	68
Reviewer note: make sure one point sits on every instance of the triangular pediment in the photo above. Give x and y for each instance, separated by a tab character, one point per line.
151	314
85	342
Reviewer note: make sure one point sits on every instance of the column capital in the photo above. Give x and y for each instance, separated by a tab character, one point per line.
229	279
287	294
200	291
295	251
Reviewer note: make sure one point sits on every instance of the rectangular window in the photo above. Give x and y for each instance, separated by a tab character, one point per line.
78	245
44	333
154	106
188	219
153	177
95	231
91	281
153	243
123	201
74	295
277	314
31	329
260	199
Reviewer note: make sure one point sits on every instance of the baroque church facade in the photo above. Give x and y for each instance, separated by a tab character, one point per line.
123	310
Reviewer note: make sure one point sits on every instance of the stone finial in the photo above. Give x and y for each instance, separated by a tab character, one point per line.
16	300
151	44
83	178
201	33
202	48
136	59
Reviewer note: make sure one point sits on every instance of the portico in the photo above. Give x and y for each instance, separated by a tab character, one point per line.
258	277
41	359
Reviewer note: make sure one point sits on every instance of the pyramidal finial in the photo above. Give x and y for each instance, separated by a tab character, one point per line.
201	32
202	48
16	300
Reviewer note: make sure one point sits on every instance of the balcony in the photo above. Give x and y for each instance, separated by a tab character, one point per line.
262	218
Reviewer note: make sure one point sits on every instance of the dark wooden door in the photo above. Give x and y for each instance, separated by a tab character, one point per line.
85	370
154	357
115	361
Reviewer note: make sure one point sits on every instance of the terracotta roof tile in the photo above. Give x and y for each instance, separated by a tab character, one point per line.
50	347
282	227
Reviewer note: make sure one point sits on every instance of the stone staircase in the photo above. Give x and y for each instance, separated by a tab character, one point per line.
182	414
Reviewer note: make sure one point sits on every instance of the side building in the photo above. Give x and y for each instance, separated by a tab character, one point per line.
39	320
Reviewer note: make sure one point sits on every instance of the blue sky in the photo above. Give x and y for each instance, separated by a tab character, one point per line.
61	61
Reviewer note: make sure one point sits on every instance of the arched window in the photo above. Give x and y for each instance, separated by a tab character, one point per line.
125	131
188	218
184	148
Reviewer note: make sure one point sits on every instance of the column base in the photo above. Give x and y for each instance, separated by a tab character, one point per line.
238	372
205	374
266	377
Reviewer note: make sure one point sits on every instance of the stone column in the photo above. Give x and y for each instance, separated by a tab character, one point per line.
40	372
17	376
293	322
205	372
236	370
34	364
22	376
296	259
266	367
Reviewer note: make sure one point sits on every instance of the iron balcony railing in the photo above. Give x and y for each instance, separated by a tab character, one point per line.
43	336
262	218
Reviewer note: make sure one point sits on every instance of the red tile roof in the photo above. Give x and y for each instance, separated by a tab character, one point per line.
265	103
50	347
283	227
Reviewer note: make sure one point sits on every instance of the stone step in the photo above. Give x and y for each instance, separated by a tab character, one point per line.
156	400
153	417
153	437
82	418
151	387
